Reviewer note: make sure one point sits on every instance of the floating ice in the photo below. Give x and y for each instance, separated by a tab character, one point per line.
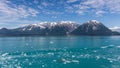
66	61
98	57
23	54
26	44
75	61
54	60
50	53
51	42
5	54
43	65
118	46
104	47
30	63
111	45
73	56
95	51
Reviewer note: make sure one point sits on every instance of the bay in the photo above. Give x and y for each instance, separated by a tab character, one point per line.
60	52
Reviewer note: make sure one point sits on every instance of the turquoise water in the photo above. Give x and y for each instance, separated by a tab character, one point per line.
60	52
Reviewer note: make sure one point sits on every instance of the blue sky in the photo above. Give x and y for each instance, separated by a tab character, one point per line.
15	13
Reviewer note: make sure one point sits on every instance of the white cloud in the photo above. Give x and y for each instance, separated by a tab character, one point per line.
15	13
51	12
100	13
15	23
80	12
71	1
69	9
54	17
36	1
44	4
94	3
47	4
98	7
80	9
114	6
20	11
115	28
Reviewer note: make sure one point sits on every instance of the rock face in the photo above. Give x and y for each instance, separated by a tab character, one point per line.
92	27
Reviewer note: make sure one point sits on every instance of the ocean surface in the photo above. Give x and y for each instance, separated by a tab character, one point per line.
60	52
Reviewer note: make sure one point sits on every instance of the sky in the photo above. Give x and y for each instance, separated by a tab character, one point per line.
16	13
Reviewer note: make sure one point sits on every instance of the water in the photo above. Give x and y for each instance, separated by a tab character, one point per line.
60	52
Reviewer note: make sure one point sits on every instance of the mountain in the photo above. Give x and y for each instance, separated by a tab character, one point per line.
4	31
63	28
92	27
43	28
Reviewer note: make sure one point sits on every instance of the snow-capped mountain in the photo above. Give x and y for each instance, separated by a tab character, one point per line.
49	25
92	27
63	28
46	28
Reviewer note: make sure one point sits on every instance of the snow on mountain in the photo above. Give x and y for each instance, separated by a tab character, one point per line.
92	27
49	28
49	25
94	24
93	21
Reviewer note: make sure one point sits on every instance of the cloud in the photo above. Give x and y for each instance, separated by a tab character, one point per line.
15	23
80	12
25	10
98	7
114	6
52	12
36	1
100	13
11	13
115	28
45	4
71	1
20	11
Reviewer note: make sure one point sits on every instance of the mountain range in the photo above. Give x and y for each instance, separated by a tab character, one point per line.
91	27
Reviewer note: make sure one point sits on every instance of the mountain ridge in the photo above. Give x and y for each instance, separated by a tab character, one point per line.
92	27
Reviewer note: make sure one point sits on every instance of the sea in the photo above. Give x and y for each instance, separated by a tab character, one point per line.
60	52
